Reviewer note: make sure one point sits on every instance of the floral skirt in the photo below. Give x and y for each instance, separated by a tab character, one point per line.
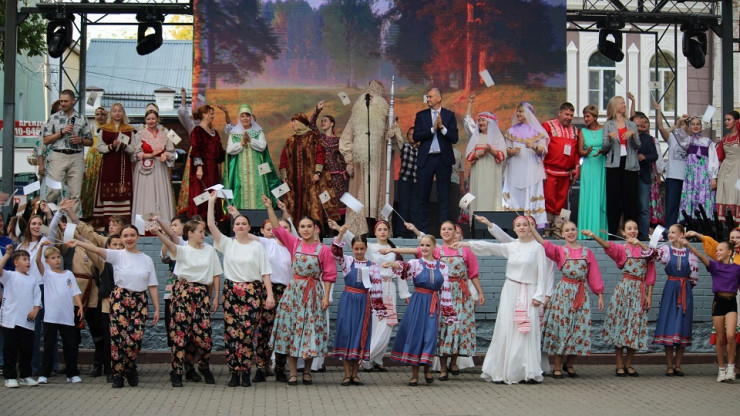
696	188
267	321
93	160
673	327
626	321
656	199
242	307
458	338
127	321
190	323
301	328
566	331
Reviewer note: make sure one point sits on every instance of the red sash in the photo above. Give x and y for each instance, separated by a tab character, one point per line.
580	292
681	300
366	320
435	298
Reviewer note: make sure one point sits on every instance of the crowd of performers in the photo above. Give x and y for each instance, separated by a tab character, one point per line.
277	287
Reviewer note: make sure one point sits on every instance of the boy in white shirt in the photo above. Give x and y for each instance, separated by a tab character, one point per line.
20	304
61	294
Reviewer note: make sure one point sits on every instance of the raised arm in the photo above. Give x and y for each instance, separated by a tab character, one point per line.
6	257
270	212
89	247
39	256
166	229
211	218
664	132
702	258
590	234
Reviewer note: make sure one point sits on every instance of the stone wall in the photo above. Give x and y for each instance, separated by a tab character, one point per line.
492	279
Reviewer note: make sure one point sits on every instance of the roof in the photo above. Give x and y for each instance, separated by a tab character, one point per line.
129	78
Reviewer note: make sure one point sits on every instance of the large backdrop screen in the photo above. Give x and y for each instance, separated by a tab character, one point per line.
282	57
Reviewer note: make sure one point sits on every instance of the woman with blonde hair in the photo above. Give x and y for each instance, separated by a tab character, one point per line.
591	206
621	144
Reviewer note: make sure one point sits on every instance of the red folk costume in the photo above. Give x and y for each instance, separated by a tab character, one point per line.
302	156
205	150
561	164
115	182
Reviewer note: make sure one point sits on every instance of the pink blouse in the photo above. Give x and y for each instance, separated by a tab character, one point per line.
326	260
618	253
471	262
557	254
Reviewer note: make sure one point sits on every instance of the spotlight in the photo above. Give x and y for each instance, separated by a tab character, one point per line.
59	32
695	43
610	39
148	43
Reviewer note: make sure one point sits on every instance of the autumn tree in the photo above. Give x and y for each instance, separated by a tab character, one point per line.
31	35
180	32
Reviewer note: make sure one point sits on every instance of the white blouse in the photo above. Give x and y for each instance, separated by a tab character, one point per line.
197	265
244	262
131	271
281	261
526	262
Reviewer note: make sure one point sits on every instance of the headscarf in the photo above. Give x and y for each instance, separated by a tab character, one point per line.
303	119
531	121
493	137
238	128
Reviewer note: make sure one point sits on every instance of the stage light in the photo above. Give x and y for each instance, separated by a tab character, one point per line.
695	43
610	39
148	43
59	33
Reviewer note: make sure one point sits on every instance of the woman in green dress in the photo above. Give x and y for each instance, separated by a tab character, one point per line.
246	150
592	203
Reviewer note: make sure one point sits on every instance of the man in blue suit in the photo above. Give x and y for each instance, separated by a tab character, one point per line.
436	131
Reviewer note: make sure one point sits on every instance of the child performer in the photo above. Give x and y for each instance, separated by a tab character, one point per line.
725	278
626	318
21	303
416	339
61	295
676	314
352	343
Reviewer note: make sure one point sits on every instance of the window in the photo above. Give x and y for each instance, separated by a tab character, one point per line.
601	83
666	77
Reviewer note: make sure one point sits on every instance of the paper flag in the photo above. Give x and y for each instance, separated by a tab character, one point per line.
140	224
619	79
18	226
174	138
654	85
707	117
281	190
343	96
31	187
364	273
20	200
264	168
387	211
324	197
216	187
69	232
52	206
564	214
201	98
486	77
123	138
466	200
425	98
91	99
656	235
52	184
226	194
201	198
352	202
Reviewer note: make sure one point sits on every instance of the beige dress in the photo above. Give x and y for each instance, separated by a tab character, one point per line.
728	196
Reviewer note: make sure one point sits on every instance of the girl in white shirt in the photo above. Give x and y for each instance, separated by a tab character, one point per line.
247	271
133	274
198	270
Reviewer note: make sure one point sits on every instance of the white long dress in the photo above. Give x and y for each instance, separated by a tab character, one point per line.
523	189
486	176
513	355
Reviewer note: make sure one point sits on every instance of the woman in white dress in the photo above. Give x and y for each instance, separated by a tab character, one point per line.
486	152
514	353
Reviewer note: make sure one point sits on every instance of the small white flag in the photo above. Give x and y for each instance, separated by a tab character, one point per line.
324	197
123	138
466	200
31	187
226	194
654	85
69	232
52	206
352	202
91	99
619	79
564	214
174	138
656	235
707	117
344	97
486	77
201	198
281	190
387	211
140	224
264	168
52	184
216	187
425	98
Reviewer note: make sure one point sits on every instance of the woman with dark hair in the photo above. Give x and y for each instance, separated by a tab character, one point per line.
728	153
206	155
335	163
133	274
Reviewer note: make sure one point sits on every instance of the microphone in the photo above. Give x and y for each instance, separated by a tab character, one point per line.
72	122
367	100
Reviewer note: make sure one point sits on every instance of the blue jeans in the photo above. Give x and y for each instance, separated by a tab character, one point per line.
643	204
673	189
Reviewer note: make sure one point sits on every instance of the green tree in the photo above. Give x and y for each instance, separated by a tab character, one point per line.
180	32
31	35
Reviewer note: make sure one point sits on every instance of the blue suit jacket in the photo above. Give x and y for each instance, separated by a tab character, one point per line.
423	134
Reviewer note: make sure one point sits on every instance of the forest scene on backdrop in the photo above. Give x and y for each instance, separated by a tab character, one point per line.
282	57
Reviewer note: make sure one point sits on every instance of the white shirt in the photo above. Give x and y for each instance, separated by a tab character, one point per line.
678	144
132	271
21	294
197	265
281	261
59	291
244	262
32	249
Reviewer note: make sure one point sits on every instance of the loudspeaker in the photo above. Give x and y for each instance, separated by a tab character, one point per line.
504	219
